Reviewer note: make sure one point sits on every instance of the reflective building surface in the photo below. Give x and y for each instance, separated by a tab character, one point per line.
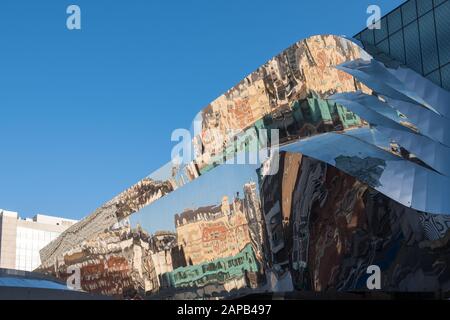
350	170
416	34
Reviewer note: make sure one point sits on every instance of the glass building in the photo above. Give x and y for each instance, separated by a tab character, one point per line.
416	34
21	239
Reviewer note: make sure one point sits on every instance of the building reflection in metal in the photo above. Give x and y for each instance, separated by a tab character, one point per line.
350	191
405	181
399	83
398	129
287	93
402	94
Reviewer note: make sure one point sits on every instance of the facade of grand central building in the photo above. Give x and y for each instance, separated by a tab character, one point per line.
356	176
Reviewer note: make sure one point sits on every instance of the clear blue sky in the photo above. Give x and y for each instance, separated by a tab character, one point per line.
85	114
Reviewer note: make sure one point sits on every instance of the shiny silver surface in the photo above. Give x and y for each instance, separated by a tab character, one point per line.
401	180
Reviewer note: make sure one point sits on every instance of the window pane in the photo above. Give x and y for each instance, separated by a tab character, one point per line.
443	31
384	46
382	33
394	21
397	48
435	77
367	36
424	6
445	72
409	12
438	2
412	47
429	44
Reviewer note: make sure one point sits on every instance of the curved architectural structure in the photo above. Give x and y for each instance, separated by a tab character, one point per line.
354	179
274	91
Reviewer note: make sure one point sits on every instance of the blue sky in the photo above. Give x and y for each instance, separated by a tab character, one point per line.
85	114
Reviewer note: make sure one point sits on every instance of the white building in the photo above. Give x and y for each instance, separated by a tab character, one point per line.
21	239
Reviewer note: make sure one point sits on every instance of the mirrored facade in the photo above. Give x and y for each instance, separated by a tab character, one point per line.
352	176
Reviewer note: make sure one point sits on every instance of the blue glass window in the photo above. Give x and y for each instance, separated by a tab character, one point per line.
397	48
424	6
395	21
409	12
445	73
367	36
438	2
412	47
435	77
429	44
384	46
443	31
382	33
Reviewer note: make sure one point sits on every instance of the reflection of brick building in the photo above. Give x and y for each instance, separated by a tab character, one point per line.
122	260
341	226
324	228
302	70
105	217
212	232
160	252
255	219
232	272
276	202
218	247
219	231
115	262
140	195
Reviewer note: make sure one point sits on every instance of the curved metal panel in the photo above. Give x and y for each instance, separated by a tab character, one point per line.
404	181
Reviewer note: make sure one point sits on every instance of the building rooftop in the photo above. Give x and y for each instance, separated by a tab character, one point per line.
39	218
